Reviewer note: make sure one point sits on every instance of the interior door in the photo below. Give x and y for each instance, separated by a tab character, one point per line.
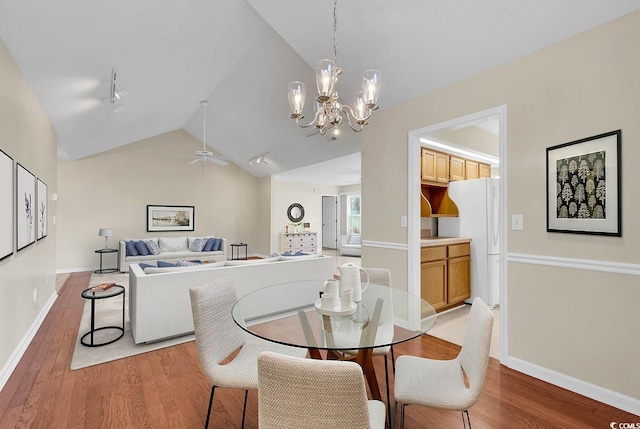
330	221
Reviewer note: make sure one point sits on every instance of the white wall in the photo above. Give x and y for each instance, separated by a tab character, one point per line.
577	327
28	137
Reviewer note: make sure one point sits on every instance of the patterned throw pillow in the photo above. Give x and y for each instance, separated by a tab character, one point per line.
185	263
354	239
198	244
153	247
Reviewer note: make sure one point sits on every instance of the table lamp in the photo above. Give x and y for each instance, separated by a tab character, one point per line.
106	233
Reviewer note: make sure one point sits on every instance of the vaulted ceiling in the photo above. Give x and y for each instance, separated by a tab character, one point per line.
239	55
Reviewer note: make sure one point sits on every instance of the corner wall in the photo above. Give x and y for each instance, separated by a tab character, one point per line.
28	137
575	327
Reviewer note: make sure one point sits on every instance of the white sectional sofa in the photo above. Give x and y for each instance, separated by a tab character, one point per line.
159	304
171	249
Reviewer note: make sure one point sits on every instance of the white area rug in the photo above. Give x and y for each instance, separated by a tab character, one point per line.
108	312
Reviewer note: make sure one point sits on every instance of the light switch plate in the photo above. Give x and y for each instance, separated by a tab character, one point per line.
403	221
517	222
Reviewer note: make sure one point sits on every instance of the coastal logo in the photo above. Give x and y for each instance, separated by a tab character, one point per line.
627	425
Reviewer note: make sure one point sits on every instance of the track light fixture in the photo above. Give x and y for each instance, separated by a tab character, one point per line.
260	159
116	93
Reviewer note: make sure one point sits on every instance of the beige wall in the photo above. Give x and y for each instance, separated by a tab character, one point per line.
472	138
578	88
113	188
310	196
28	137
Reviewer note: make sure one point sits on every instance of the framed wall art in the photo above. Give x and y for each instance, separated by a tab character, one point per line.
6	205
25	210
170	218
42	209
583	186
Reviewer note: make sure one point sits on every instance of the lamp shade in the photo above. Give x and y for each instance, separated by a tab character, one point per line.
105	232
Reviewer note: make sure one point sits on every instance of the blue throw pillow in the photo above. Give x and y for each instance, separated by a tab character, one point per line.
300	253
143	266
142	248
163	264
287	253
217	244
209	245
131	248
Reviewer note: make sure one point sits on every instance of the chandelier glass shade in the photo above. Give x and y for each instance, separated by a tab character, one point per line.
328	110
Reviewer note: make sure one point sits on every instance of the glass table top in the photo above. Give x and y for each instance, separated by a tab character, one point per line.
286	313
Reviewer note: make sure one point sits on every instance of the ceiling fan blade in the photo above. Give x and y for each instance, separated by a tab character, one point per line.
195	160
219	162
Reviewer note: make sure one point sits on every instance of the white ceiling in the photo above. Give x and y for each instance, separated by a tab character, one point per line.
240	55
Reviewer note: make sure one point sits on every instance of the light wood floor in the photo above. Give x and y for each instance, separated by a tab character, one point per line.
166	388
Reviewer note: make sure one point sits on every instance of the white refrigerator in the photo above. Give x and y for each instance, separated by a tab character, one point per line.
478	219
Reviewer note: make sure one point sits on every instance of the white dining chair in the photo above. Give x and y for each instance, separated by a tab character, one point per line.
453	384
296	393
218	336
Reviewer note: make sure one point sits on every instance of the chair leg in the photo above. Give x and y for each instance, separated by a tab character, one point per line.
386	377
401	415
206	423
393	361
244	408
464	424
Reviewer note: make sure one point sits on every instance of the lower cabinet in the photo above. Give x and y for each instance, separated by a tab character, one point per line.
445	275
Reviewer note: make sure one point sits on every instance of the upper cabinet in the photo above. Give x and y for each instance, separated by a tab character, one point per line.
435	167
438	169
456	168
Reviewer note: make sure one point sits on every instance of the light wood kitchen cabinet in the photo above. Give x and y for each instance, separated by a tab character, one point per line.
456	168
445	275
471	169
434	167
485	170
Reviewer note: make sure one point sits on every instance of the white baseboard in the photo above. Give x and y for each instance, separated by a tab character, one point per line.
76	270
598	393
17	354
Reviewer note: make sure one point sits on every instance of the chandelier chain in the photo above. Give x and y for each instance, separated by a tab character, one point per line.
335	32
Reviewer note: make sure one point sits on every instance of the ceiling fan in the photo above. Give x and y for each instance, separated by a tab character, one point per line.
205	155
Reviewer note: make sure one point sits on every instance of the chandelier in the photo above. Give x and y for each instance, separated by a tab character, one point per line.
329	112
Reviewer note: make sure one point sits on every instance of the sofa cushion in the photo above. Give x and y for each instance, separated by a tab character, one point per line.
158	270
198	244
153	247
185	263
170	244
216	244
131	248
142	248
209	244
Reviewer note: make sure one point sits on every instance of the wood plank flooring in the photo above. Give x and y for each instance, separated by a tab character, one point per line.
166	388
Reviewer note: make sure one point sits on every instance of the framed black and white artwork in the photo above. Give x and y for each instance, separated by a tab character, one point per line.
583	186
6	205
42	209
170	218
25	210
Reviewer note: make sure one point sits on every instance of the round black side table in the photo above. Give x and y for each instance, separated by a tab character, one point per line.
235	248
108	270
94	295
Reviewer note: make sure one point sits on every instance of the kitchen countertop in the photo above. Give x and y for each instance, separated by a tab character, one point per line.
442	241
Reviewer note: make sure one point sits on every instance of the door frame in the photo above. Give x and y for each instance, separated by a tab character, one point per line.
413	207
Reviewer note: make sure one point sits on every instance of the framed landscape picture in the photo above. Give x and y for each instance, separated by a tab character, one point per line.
25	210
6	205
42	209
170	218
583	186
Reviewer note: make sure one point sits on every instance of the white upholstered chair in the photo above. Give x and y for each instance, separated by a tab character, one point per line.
441	383
295	393
218	336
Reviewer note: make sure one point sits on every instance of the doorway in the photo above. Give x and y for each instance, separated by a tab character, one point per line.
414	182
329	221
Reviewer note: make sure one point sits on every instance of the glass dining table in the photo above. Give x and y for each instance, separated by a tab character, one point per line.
291	314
